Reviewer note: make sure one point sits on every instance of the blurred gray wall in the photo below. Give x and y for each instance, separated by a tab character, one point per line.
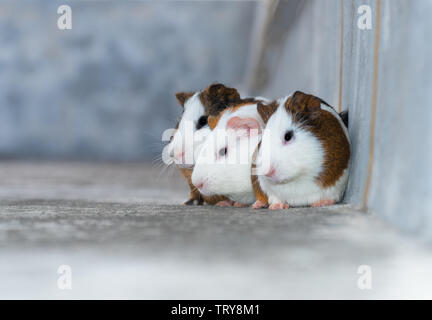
105	89
382	76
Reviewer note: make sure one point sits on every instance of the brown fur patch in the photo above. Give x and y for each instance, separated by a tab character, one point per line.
182	97
337	151
217	97
259	193
300	102
212	122
307	113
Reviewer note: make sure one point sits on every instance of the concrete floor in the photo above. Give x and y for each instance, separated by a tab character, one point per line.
120	229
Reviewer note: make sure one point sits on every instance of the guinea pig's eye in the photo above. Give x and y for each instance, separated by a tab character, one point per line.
288	135
171	138
201	122
223	151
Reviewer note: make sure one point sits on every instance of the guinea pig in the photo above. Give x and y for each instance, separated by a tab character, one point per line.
224	163
304	155
192	128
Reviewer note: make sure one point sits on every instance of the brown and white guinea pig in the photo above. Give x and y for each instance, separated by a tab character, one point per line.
224	163
304	155
192	128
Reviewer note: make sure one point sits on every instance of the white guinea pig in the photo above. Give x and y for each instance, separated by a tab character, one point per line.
224	163
304	154
193	128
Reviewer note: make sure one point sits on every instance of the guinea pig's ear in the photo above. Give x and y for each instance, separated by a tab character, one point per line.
266	110
223	93
212	122
244	127
182	97
217	97
301	102
344	117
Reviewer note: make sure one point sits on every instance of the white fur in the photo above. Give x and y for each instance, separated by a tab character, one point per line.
228	175
187	138
263	99
297	164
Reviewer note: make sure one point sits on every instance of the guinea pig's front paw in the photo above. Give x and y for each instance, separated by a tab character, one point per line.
279	206
259	205
225	203
240	205
323	203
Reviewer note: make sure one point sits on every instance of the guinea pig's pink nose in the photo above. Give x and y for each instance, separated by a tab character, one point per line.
200	185
271	172
180	156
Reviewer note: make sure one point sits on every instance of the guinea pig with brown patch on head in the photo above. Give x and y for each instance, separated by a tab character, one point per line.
304	155
193	128
224	163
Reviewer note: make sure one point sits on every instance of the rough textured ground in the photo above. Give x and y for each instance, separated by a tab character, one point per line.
119	228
